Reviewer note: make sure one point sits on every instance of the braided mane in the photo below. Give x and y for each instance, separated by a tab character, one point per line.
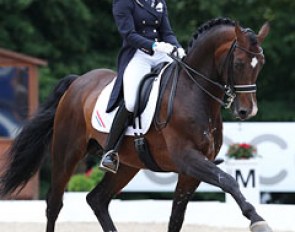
207	26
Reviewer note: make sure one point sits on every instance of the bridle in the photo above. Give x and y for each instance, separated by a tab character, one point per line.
229	89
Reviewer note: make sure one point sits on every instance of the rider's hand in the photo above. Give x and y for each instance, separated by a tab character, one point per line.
180	53
163	47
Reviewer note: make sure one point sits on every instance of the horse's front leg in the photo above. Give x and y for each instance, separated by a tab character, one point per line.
195	164
186	186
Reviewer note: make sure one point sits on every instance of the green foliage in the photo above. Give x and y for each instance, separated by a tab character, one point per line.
79	183
83	182
276	111
75	36
47	84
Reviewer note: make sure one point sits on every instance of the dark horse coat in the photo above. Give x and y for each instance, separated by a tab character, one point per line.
140	25
187	146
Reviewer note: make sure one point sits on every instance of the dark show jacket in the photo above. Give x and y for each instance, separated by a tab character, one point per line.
140	25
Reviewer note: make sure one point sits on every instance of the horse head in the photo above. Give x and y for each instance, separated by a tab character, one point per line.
237	60
245	63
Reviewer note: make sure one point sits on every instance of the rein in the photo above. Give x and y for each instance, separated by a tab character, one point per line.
171	73
230	90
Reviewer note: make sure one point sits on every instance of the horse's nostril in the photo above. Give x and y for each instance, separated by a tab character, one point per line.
243	113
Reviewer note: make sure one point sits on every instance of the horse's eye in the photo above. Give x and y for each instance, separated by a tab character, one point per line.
239	65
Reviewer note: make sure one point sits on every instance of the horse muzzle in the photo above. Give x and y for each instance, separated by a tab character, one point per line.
245	107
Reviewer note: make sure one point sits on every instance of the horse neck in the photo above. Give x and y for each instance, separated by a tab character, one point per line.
201	57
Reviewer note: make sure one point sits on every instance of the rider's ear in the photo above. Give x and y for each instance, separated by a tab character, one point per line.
263	32
241	39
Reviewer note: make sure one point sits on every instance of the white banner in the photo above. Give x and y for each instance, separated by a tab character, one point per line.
276	147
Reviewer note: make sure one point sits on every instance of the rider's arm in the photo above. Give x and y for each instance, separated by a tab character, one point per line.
122	11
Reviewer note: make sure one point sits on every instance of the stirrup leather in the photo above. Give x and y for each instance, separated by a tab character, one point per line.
110	161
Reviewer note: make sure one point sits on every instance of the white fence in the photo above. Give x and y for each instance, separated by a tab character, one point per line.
276	146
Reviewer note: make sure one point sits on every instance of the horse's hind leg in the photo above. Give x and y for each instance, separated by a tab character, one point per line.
185	188
67	151
100	197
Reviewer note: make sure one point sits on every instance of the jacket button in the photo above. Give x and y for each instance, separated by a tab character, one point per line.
143	31
143	21
156	22
155	31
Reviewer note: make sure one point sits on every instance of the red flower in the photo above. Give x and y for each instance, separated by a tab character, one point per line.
241	151
88	173
245	145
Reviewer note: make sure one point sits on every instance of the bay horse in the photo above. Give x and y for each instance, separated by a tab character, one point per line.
223	59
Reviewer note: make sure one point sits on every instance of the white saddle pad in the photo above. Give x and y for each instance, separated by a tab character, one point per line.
102	121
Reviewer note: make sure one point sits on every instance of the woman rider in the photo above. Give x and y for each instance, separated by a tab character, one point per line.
147	39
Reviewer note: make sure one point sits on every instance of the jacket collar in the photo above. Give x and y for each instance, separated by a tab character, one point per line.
148	7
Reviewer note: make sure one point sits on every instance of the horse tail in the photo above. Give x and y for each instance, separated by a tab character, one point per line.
30	147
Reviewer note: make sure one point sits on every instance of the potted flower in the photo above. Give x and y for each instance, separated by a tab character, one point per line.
82	183
241	151
85	182
242	164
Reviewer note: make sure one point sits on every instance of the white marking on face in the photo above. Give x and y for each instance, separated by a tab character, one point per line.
254	62
255	108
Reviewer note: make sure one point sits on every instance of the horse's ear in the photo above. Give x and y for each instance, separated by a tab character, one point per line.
263	32
239	34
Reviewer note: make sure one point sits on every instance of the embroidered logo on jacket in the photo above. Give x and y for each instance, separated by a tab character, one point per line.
159	7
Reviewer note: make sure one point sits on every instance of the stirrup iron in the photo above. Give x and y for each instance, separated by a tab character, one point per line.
113	165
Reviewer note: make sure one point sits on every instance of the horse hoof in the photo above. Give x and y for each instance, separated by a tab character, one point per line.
261	226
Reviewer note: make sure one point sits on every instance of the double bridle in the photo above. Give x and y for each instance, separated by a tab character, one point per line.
229	89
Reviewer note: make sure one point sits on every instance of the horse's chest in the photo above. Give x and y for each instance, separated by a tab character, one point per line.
211	141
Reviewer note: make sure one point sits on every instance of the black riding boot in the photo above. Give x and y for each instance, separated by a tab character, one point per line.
110	159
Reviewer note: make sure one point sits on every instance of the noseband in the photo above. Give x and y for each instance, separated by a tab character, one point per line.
229	89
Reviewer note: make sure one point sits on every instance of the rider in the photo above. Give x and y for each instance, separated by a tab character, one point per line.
147	39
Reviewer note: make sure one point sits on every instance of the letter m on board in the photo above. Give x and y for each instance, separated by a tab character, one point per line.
249	179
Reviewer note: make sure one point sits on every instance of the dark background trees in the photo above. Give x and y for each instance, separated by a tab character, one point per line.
79	35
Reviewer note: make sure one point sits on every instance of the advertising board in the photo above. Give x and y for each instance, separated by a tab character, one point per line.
275	143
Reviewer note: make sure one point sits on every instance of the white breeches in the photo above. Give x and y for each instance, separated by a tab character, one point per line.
140	65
